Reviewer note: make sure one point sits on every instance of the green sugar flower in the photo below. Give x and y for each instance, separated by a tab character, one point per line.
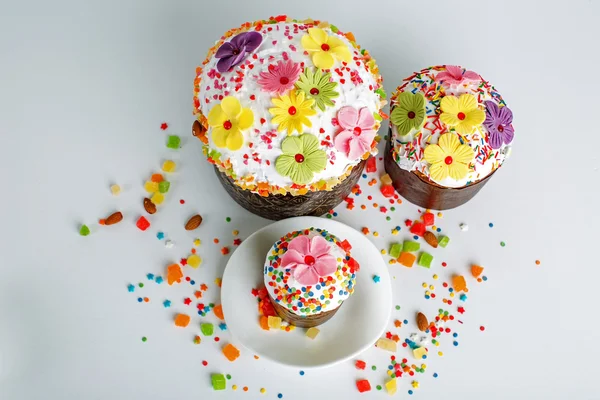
301	158
409	113
318	87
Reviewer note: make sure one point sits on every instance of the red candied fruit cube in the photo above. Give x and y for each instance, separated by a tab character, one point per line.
360	364
353	264
363	385
372	164
418	228
428	219
345	245
267	308
387	190
262	293
142	223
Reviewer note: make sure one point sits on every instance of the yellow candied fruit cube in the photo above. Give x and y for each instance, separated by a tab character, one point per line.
419	352
115	190
151	187
312	332
169	166
157	198
274	322
197	242
386	179
390	386
194	261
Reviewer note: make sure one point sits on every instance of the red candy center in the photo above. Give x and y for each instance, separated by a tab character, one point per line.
292	110
325	47
227	125
309	260
314	91
411	114
299	158
235	52
357	130
284	80
448	160
461	116
500	128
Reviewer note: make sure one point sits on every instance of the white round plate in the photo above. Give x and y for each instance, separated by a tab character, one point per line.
356	326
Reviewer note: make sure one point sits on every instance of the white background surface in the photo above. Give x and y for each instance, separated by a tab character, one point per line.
84	87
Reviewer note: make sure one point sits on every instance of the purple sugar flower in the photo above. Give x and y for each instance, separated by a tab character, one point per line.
233	52
498	123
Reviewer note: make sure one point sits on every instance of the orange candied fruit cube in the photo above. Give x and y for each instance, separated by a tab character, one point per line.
218	310
158	178
407	259
458	283
476	270
174	274
264	322
231	352
182	320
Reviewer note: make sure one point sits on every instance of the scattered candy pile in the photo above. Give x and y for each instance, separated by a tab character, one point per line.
406	253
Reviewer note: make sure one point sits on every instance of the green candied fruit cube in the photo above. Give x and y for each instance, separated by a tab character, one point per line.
411	246
395	250
164	186
443	241
218	381
173	142
84	230
207	329
425	260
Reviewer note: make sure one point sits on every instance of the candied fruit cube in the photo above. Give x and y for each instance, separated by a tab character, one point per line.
157	198
231	352
458	283
151	187
425	260
363	385
264	322
391	387
182	320
443	241
158	178
476	270
387	190
372	164
163	187
169	166
386	344
173	142
407	259
360	364
174	274
84	230
312	332
274	322
411	246
142	223
419	352
345	245
194	261
218	381
207	328
428	219
418	228
395	250
386	179
115	190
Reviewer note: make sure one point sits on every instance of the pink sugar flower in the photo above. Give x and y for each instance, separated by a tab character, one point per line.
357	135
309	259
280	78
455	75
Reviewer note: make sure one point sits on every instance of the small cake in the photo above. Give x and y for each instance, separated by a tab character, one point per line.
450	130
308	275
288	112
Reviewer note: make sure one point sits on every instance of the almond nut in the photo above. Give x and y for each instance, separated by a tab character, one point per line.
431	239
193	223
114	218
149	206
422	322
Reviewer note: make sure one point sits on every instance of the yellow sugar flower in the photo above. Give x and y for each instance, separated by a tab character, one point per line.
227	121
462	113
448	158
291	112
325	49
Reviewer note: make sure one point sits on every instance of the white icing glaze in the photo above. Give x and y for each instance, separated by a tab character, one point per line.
343	280
417	139
259	160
